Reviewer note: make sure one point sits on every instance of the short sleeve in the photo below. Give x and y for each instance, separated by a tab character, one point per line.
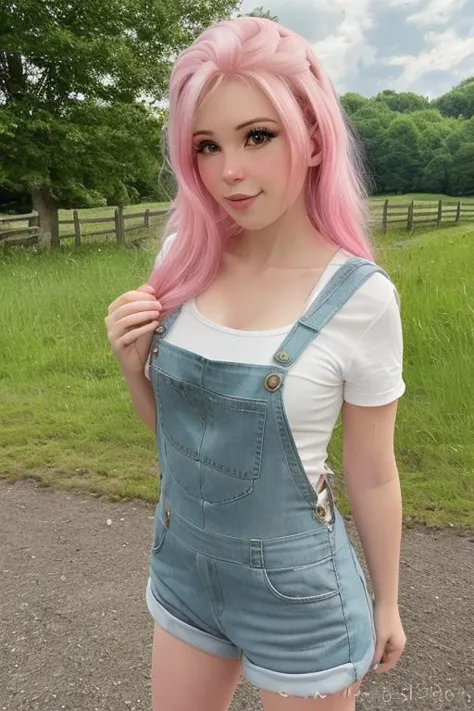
373	375
164	249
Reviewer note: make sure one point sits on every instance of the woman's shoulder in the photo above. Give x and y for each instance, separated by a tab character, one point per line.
377	291
164	248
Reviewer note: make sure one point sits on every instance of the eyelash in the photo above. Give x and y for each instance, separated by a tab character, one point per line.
270	135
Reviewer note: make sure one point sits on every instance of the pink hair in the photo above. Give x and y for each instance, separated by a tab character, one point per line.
281	64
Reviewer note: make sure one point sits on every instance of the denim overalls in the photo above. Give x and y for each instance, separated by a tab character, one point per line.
245	563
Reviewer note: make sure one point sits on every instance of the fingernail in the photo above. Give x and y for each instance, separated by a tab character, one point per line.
376	666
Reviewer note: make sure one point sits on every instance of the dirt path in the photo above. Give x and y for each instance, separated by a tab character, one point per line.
75	633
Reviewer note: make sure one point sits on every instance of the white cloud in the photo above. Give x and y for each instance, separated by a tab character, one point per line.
444	53
436	12
341	51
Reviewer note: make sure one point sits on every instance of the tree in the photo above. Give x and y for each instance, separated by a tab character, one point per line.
371	122
404	102
461	179
400	156
352	102
260	12
459	101
81	82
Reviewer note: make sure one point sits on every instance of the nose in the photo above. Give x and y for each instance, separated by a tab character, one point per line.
233	170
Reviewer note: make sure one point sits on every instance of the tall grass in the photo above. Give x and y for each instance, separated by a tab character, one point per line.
66	418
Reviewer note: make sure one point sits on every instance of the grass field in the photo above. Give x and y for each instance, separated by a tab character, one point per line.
66	418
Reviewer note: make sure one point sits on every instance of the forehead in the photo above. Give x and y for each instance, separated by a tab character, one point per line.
232	103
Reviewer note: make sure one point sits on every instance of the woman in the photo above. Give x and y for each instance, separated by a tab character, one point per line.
265	317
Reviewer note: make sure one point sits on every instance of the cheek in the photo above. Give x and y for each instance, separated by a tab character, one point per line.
273	167
208	173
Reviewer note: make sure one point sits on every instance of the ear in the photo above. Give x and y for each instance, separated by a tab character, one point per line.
316	154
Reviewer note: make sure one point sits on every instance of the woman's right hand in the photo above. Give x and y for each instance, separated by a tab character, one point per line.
130	323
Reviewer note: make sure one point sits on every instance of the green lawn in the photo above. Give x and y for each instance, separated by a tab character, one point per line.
66	418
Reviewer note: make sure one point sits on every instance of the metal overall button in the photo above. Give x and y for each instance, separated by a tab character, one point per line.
167	517
272	382
324	510
283	356
154	350
321	511
160	329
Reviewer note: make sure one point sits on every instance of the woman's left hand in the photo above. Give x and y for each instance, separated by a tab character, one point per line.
390	637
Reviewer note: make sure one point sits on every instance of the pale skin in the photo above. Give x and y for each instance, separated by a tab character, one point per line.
278	253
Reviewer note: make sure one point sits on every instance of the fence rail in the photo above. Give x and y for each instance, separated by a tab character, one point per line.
440	212
384	214
117	222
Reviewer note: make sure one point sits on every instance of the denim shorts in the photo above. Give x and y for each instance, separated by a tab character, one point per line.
295	609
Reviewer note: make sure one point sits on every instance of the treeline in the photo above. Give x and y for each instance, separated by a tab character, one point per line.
85	133
412	144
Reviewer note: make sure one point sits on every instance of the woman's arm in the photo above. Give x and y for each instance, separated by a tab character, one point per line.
373	489
143	398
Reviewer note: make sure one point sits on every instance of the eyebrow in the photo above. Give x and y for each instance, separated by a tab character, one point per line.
237	128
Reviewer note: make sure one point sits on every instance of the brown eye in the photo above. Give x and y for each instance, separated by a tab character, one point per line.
261	136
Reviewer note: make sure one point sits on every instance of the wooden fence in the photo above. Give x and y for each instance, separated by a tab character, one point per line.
438	213
117	225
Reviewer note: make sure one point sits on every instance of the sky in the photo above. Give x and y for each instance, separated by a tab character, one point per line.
366	46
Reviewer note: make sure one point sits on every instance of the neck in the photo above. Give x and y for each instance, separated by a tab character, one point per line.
292	242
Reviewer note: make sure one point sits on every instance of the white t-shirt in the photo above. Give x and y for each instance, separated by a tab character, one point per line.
357	357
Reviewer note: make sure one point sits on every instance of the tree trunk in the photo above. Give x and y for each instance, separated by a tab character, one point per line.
47	209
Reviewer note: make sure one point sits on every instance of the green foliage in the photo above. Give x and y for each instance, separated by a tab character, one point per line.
81	113
260	12
404	102
80	83
352	102
412	145
459	102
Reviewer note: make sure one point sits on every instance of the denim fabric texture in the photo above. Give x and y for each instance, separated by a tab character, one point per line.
248	561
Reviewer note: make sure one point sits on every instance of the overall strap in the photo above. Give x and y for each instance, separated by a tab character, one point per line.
171	318
344	283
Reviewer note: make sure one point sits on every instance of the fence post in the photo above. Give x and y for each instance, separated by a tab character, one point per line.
146	221
119	225
410	216
440	213
384	216
34	222
458	211
77	229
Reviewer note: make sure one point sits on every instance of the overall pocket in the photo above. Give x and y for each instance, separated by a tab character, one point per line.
159	534
306	583
213	443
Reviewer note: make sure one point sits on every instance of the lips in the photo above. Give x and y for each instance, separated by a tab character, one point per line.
242	203
240	196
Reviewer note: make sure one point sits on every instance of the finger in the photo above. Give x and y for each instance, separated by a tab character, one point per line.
127	298
146	287
389	660
135	333
136	307
135	319
122	312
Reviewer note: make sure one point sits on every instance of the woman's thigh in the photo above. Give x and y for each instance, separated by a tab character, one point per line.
342	701
184	677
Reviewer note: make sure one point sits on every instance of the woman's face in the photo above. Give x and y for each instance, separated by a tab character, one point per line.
242	149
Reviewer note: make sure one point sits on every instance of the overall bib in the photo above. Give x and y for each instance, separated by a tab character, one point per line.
245	561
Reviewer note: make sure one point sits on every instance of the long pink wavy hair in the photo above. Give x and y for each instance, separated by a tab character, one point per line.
282	64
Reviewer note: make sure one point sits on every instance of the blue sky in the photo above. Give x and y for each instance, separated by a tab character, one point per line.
425	46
